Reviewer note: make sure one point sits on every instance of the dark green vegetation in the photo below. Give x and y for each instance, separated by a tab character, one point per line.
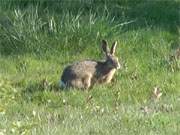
38	39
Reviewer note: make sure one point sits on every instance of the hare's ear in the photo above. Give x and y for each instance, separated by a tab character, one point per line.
113	48
105	47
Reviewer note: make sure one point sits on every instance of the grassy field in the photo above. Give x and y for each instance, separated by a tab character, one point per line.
39	38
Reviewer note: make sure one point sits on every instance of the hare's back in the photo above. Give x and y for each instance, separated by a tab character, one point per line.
79	69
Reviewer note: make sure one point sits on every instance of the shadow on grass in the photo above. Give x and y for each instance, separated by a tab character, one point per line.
164	14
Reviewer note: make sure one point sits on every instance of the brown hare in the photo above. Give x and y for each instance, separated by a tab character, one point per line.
85	74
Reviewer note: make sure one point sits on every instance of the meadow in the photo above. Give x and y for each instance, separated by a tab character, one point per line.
38	39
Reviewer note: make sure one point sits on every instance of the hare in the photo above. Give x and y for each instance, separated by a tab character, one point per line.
84	74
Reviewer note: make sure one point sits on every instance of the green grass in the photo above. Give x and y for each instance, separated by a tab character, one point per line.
39	38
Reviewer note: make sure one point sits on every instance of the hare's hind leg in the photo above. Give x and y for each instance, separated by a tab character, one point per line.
77	83
87	82
81	83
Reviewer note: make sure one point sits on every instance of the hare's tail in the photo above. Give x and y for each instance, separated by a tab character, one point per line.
62	84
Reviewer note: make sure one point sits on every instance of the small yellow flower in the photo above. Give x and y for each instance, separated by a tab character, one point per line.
34	113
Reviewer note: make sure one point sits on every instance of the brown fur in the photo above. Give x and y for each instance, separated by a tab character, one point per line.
85	74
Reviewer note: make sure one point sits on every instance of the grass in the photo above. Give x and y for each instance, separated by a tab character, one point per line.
39	38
